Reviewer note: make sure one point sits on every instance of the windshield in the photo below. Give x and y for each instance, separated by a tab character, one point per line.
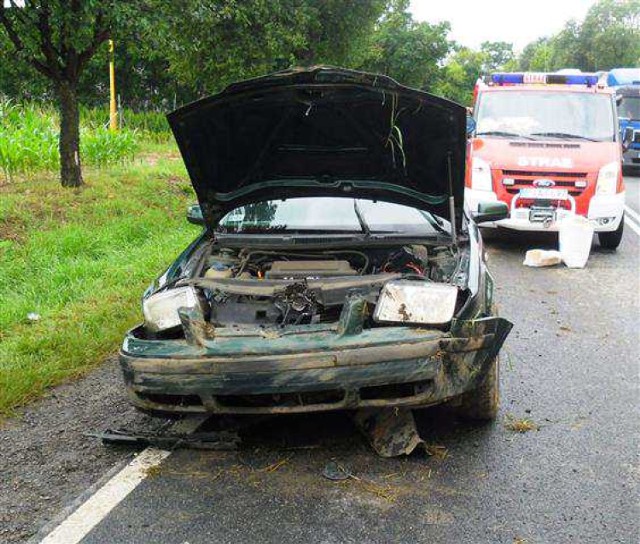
331	215
629	108
544	114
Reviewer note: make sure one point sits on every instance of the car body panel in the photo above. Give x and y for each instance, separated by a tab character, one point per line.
444	363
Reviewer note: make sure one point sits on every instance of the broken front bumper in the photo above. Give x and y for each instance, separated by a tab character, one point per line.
311	368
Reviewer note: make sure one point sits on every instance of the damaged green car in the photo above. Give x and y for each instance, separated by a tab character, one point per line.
337	267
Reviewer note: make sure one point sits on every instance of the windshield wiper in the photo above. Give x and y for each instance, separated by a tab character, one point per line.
363	224
435	221
564	135
503	133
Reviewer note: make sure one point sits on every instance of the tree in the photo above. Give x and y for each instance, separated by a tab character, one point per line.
406	50
459	75
567	48
609	37
610	34
337	31
58	38
499	55
211	43
536	56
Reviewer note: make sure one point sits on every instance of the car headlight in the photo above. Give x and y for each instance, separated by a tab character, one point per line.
161	309
608	179
406	301
481	175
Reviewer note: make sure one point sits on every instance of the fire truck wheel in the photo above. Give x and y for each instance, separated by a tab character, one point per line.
482	403
611	240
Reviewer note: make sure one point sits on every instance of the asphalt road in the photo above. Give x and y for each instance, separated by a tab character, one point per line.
570	366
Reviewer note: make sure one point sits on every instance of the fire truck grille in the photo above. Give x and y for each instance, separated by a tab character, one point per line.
526	178
546	175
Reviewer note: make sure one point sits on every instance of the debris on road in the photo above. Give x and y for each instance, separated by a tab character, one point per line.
391	431
575	236
537	258
215	440
521	426
337	473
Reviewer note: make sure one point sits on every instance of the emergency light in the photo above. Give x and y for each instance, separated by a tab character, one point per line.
523	78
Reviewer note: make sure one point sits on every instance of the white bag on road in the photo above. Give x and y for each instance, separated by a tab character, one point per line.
575	236
538	258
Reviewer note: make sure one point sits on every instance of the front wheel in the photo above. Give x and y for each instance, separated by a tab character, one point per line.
482	403
611	240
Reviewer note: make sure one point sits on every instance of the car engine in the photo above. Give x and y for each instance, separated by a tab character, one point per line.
264	287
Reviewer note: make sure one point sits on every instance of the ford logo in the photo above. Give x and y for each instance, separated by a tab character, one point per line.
544	183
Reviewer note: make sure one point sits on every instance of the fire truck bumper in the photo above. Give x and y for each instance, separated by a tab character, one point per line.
605	213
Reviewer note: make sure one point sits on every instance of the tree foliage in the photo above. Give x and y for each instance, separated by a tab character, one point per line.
609	37
498	56
408	51
212	43
460	74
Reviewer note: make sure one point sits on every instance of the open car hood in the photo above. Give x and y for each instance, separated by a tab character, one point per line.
322	132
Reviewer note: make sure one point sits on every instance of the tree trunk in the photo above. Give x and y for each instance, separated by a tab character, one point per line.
69	142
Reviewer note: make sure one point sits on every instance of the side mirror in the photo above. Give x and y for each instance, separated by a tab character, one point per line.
627	138
471	125
194	215
491	211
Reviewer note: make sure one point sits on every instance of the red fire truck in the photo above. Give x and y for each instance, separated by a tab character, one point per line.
548	146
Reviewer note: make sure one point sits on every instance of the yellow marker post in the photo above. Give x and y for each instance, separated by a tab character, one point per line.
113	111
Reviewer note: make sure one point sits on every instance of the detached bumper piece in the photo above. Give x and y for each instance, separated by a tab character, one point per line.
309	368
214	440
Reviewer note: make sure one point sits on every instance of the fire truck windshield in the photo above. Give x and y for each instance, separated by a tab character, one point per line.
546	114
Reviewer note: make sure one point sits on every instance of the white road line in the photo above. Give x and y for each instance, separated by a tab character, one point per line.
90	513
632	213
635	228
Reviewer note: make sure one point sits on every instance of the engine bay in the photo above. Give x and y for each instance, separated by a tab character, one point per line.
433	263
258	287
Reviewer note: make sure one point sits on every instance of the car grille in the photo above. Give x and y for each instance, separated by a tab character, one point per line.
523	179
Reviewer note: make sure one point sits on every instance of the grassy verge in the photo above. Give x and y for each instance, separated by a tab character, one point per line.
80	260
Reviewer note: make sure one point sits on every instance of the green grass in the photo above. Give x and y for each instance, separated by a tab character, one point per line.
80	259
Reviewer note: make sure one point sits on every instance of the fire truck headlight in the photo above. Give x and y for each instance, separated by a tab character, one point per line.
608	179
480	175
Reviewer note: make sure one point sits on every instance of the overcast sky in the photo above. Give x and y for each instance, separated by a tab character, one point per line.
515	21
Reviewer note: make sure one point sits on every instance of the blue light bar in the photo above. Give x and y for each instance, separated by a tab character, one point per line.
523	78
507	79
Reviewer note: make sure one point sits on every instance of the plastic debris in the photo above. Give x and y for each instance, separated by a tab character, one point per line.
537	258
391	431
215	440
575	236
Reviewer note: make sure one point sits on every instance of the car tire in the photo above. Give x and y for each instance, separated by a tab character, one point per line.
611	240
482	403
